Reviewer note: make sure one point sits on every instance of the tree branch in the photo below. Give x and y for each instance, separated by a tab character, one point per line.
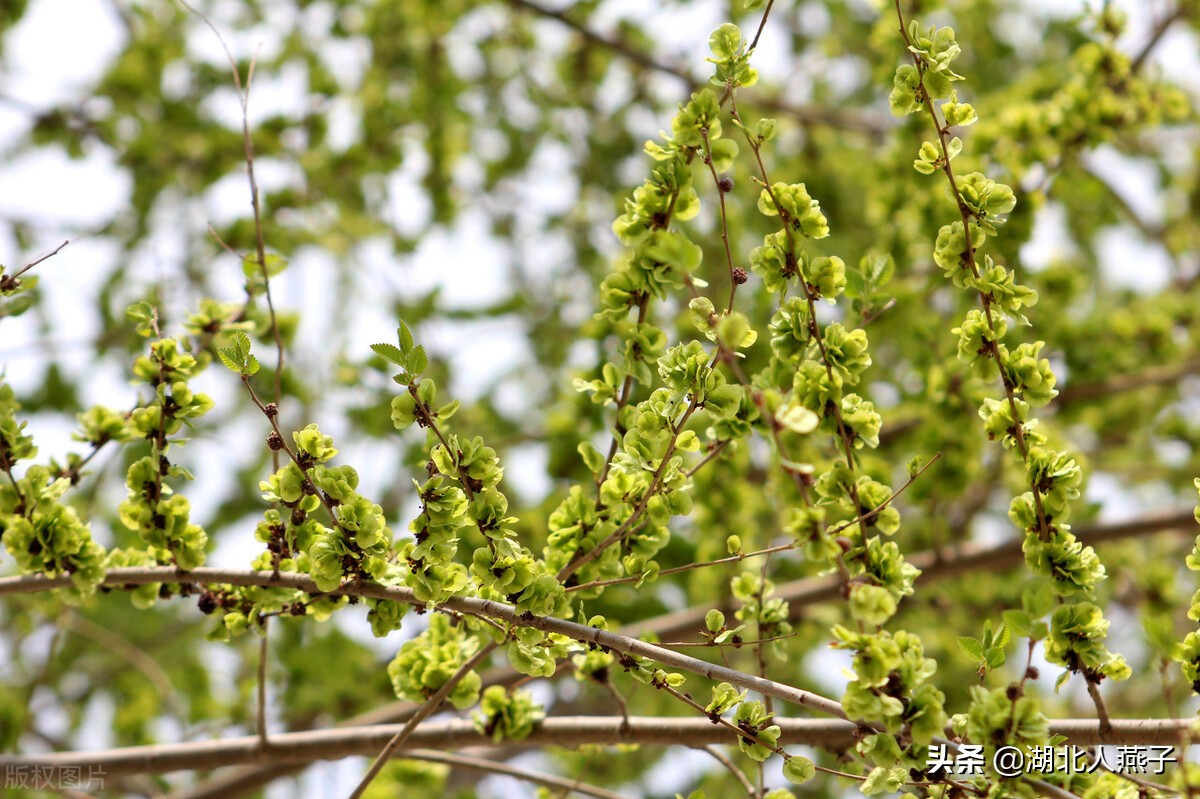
568	731
801	593
1156	35
1151	376
470	605
934	565
423	712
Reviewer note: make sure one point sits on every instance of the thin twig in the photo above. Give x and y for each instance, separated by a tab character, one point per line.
262	683
259	238
762	24
581	559
991	344
426	710
1156	35
39	260
132	654
860	519
492	767
1101	711
729	765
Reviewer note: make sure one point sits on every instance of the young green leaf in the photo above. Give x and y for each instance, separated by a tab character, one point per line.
389	352
417	360
972	646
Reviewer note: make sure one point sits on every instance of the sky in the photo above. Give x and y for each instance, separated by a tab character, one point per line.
46	63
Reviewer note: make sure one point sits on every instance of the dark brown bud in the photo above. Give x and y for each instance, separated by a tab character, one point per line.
1031	673
271	410
740	276
275	441
725	184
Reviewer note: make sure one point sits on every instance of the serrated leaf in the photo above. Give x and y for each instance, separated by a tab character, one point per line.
236	355
405	337
418	361
972	646
881	270
228	357
389	352
241	344
179	471
728	635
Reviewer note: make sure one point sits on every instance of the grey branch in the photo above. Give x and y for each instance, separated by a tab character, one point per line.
569	731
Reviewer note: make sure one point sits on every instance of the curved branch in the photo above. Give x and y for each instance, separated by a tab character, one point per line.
470	605
1160	29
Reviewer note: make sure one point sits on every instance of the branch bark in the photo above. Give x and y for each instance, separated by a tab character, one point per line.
468	605
569	731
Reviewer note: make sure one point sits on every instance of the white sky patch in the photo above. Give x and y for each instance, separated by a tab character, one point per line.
1127	261
48	62
1134	180
1049	241
479	352
47	187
